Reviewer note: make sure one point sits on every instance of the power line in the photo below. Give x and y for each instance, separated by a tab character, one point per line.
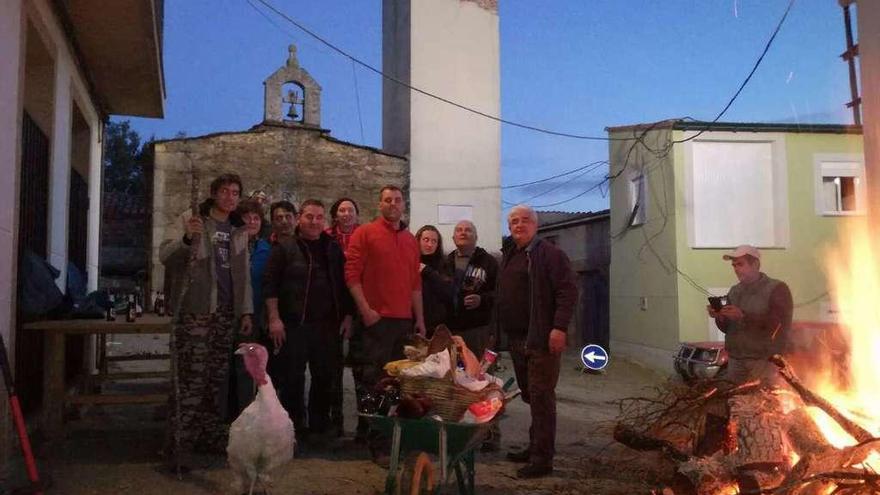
560	185
357	96
747	79
523	184
662	153
591	188
395	80
355	60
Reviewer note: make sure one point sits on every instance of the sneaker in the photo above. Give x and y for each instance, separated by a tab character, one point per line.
534	471
518	456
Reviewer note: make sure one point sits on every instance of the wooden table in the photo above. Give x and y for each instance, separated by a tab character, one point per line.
54	393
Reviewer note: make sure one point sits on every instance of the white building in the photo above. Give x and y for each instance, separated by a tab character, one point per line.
66	66
448	48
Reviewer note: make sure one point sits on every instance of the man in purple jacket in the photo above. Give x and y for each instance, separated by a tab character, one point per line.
535	300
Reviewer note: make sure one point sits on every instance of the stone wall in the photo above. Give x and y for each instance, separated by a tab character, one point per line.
279	159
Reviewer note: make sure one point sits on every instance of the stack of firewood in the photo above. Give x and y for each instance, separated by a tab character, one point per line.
749	439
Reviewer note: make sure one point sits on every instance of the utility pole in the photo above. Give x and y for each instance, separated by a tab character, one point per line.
849	56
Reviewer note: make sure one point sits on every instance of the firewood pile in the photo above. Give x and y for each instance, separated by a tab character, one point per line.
748	439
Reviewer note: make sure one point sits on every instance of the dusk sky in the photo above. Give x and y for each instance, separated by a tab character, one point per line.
574	66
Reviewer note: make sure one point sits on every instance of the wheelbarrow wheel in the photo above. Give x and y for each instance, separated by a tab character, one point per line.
416	477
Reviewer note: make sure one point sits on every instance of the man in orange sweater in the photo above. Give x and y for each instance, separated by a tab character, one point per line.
382	273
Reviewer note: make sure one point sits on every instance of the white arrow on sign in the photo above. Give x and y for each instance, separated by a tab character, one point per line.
592	356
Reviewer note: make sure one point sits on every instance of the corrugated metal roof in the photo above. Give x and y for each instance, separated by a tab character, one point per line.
557	219
696	125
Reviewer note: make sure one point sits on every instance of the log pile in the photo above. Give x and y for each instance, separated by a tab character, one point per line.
749	440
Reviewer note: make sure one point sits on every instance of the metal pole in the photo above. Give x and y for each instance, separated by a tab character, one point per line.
852	51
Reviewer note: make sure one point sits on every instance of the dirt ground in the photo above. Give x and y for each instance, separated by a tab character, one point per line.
111	450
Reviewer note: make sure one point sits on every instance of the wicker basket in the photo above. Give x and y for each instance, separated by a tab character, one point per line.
449	399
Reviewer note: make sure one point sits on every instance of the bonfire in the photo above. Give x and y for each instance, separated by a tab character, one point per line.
817	435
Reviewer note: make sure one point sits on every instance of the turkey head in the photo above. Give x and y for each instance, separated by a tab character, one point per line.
255	358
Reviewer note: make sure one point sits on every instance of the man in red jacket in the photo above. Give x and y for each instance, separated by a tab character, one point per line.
382	273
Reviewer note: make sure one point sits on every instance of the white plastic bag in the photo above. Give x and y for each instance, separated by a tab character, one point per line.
435	366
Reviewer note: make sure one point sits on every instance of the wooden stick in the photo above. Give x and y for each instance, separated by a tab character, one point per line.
857	432
187	282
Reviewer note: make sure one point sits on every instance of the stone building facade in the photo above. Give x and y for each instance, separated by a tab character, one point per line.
287	157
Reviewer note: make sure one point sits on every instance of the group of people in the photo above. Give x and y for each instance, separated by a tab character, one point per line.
304	288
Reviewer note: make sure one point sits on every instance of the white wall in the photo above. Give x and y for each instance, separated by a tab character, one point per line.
69	85
12	34
455	156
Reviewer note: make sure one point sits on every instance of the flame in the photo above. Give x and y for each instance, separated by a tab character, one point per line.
854	276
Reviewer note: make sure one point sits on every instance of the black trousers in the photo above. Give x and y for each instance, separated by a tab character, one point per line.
316	346
537	373
383	342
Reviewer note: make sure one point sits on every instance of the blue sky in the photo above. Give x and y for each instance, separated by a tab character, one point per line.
575	66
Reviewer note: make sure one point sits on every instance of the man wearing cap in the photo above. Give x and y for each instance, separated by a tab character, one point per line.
756	321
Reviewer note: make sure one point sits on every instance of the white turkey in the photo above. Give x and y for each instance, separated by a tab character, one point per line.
261	439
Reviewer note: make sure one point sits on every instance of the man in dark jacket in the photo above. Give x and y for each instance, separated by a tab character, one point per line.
756	322
536	298
308	309
475	272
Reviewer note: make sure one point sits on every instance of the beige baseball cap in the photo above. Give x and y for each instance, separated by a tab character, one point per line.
741	251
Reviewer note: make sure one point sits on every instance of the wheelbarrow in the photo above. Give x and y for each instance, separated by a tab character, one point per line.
453	443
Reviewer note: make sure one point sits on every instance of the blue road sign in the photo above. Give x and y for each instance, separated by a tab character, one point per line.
594	357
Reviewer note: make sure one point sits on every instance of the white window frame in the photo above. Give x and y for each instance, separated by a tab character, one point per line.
779	164
840	165
638	190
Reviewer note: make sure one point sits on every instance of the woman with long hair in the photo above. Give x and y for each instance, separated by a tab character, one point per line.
251	213
436	282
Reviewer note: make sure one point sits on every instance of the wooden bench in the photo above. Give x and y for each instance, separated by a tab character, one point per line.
55	395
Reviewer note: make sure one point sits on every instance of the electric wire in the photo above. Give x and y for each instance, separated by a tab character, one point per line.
523	184
560	185
423	92
748	78
357	97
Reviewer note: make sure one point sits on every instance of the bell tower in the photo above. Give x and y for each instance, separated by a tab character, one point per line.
449	48
292	95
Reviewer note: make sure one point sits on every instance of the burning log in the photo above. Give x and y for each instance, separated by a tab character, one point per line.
805	436
745	439
761	443
857	432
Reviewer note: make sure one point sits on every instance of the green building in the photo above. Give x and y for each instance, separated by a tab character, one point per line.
685	192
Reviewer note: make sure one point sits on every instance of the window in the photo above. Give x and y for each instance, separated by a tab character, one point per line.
737	190
637	200
552	239
840	184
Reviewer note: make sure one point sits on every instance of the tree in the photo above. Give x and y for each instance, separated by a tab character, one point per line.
124	159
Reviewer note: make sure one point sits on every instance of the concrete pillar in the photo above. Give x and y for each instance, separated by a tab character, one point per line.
95	180
12	54
449	48
12	46
59	169
868	12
